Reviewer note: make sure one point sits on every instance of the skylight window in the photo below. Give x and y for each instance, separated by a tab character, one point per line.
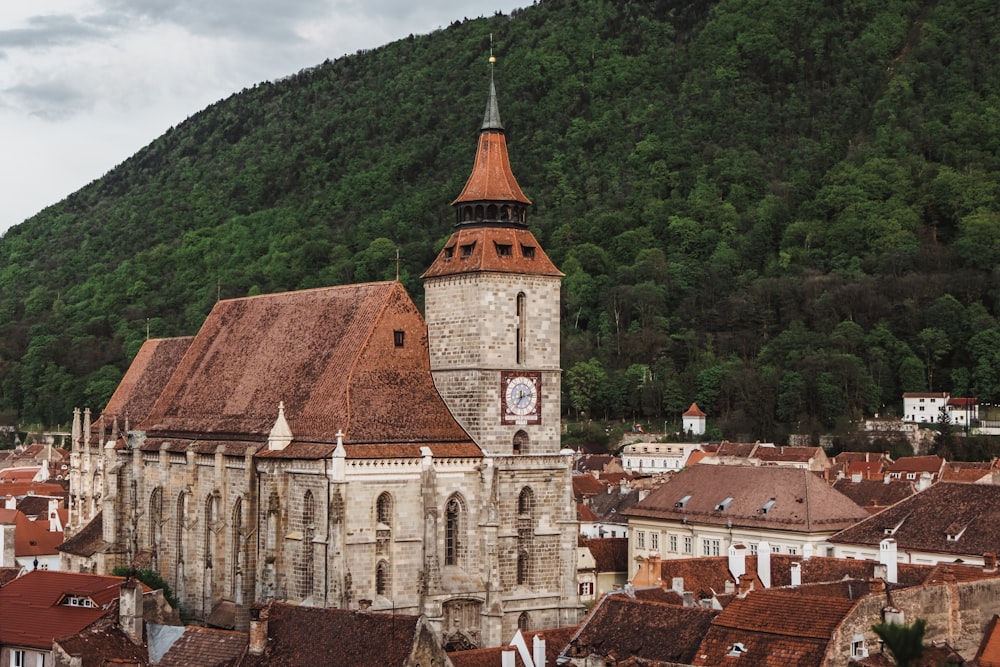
682	502
767	506
724	505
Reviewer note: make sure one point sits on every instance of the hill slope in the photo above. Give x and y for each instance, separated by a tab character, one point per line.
786	210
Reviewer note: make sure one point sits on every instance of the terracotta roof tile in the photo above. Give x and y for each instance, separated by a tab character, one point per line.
299	635
329	354
875	494
931	464
145	379
31	537
585	514
694	411
103	643
31	611
924	521
802	501
782	453
491	178
587	485
88	540
610	553
205	647
622	627
989	650
494	249
555	641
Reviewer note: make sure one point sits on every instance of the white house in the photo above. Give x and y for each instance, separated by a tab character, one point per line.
693	421
925	407
654	457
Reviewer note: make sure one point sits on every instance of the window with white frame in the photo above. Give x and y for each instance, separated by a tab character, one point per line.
753	548
586	588
710	547
640	539
18	658
673	543
654	541
793	551
858	649
775	548
688	544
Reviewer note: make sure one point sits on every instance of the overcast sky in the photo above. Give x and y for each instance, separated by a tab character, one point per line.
84	84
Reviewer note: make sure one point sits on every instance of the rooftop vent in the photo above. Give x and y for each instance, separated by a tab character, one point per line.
767	506
736	650
682	502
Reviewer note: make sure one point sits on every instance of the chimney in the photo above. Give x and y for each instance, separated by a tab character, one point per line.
508	658
677	585
878	586
796	572
538	651
764	563
130	609
7	545
807	551
746	584
990	561
55	525
887	556
894	616
737	560
855	477
924	482
258	629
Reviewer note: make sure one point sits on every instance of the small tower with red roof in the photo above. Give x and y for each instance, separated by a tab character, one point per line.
693	421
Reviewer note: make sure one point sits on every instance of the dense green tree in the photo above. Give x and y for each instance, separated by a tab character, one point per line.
904	642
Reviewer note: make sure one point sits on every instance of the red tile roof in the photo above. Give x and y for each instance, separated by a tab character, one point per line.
802	501
31	538
474	249
32	615
329	354
86	541
694	411
989	650
587	485
585	514
144	381
610	553
782	453
773	628
491	178
931	464
875	494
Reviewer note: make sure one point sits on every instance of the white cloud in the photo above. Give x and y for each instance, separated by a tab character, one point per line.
84	84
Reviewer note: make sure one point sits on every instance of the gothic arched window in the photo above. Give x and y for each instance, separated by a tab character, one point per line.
383	579
383	509
525	502
453	514
520	442
522	327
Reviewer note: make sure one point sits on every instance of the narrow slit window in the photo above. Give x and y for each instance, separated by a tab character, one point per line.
521	328
398	337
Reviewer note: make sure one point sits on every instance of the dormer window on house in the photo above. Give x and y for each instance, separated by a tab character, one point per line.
721	507
736	650
449	252
504	249
398	337
467	250
682	502
77	601
528	251
767	506
955	530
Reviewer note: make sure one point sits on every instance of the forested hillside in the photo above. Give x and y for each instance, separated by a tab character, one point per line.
786	210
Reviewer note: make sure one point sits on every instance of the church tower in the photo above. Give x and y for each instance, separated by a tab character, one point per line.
492	311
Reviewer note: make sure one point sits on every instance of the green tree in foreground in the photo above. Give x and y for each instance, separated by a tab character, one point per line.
905	642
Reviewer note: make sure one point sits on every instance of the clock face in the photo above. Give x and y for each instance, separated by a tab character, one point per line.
520	401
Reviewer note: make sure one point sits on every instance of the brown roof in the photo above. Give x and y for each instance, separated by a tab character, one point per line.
491	178
328	354
773	628
145	379
88	540
585	514
782	453
299	635
610	553
969	472
587	485
931	464
205	647
621	627
495	249
736	449
31	537
102	643
969	513
555	641
875	494
801	500
989	650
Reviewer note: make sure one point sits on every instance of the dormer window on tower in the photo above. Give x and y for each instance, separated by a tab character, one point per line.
528	251
467	250
504	249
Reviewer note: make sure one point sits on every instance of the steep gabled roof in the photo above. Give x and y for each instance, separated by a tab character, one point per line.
610	553
555	640
31	538
492	249
350	359
103	643
144	380
875	494
904	464
780	498
206	647
947	518
88	540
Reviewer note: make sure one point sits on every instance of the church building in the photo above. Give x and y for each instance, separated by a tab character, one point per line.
332	447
